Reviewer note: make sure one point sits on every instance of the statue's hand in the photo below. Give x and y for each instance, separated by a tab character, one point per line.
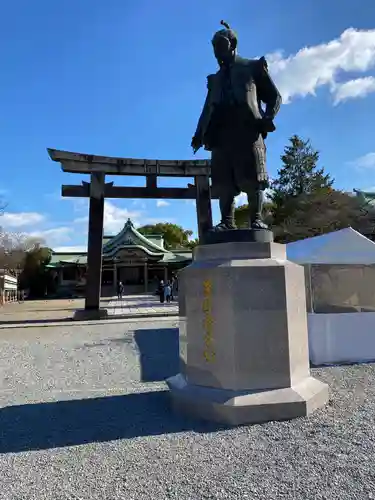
196	144
266	125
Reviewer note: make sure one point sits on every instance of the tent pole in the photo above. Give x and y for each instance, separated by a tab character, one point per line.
311	289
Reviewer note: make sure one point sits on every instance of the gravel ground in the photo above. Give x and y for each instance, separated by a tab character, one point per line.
84	415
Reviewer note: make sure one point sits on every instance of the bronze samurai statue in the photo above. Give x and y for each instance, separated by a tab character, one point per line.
233	126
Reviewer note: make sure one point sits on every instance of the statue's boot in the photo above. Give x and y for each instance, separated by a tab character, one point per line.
223	226
227	208
256	200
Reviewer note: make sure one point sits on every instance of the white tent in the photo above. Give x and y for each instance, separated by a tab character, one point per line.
340	278
345	246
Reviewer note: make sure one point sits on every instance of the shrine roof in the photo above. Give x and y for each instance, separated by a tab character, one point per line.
172	257
107	238
127	238
67	258
58	257
130	237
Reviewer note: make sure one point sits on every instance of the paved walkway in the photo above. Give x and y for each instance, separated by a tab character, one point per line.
141	305
39	311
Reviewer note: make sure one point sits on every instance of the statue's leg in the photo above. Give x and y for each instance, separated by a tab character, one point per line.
255	198
227	207
224	184
258	183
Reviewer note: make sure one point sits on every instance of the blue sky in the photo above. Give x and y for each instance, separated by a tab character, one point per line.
127	78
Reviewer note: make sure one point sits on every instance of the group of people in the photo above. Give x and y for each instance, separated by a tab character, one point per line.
168	290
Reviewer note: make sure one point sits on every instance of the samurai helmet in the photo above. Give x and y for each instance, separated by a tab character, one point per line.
227	33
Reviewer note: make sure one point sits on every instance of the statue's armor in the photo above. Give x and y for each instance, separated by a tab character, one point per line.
230	127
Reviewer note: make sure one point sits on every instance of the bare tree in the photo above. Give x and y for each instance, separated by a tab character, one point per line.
14	246
13	249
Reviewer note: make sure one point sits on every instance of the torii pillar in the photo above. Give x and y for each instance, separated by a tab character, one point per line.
94	251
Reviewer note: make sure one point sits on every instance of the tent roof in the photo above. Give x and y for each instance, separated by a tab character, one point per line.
345	246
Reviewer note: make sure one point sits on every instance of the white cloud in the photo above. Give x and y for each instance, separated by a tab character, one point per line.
24	225
313	67
79	204
139	203
81	220
114	217
71	249
365	161
241	199
21	219
53	236
360	87
162	203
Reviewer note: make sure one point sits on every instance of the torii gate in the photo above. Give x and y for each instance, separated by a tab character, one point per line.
97	190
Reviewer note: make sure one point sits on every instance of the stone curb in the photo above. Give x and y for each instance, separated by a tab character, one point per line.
71	322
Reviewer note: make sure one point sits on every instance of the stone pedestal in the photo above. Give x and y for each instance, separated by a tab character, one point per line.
243	337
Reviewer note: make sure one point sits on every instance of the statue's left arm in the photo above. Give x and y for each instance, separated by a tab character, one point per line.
267	91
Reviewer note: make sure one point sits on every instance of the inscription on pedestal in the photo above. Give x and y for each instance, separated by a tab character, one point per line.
209	352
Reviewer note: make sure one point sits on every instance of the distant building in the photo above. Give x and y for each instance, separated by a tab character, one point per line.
369	198
8	287
139	262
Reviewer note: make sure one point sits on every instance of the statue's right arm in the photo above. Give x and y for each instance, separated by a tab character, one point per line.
205	111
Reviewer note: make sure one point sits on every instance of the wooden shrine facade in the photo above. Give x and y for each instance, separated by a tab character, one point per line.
97	190
138	261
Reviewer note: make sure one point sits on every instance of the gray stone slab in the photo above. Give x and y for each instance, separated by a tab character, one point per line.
241	407
238	235
237	251
90	314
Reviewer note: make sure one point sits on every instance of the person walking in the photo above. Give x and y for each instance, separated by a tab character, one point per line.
21	296
175	288
172	287
167	292
161	291
120	290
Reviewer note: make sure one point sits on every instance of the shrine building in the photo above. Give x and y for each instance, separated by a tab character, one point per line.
139	262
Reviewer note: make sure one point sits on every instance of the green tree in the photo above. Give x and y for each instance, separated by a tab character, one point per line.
303	202
35	276
241	214
174	235
299	175
322	212
192	243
